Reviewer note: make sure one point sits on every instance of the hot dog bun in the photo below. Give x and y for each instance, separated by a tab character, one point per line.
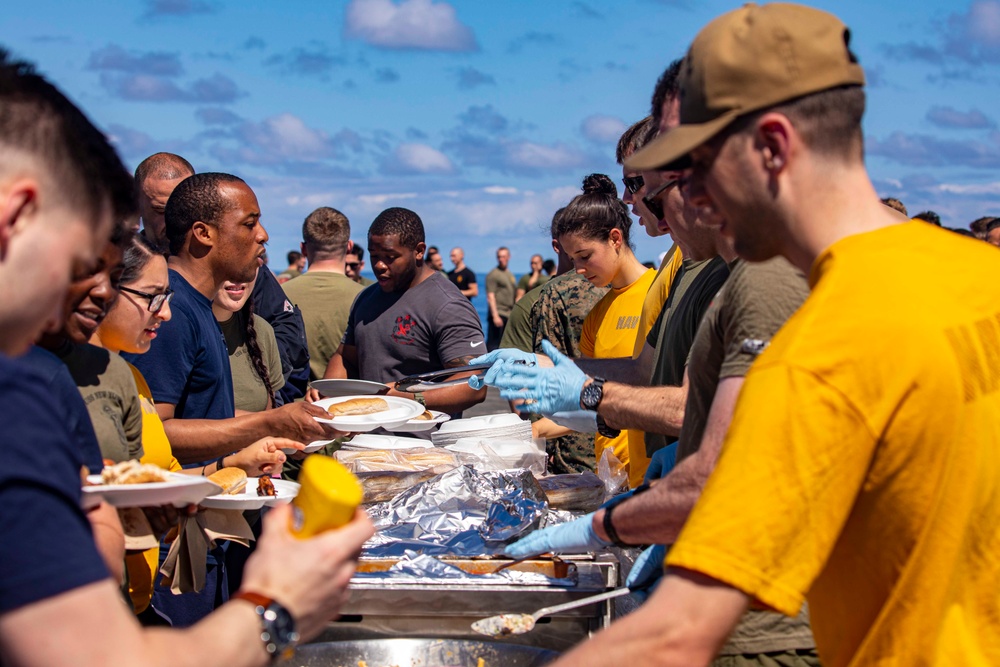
426	415
232	480
358	406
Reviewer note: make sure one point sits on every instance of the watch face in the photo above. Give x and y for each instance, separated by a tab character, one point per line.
281	627
591	395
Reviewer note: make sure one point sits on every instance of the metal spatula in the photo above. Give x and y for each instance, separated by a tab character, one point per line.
518	624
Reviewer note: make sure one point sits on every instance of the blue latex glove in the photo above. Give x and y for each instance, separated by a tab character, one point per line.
555	389
573	537
663	462
581	421
497	358
646	572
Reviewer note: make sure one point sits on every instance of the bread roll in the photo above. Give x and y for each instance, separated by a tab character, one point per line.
426	415
232	480
358	406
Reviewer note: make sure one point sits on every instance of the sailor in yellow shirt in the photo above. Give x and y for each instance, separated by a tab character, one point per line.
593	230
861	470
609	331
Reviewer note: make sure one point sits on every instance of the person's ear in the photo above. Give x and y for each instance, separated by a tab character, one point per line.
16	209
420	250
773	138
616	238
203	233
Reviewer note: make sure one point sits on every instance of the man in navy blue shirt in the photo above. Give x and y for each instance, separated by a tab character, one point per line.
213	226
62	187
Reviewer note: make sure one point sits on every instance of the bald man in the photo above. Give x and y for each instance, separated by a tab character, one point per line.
155	178
462	276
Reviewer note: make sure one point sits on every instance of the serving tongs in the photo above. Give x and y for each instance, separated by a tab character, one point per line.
443	378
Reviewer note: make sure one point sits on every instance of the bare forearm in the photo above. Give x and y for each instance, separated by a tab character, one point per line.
648	637
448	399
336	368
657	516
491	303
236	621
194	440
471	292
650	409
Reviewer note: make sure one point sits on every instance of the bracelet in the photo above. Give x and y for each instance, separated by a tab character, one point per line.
218	462
419	398
609	528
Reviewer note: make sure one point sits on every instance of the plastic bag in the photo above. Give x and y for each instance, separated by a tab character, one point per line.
613	473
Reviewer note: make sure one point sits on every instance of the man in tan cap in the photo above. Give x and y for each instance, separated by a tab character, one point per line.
862	465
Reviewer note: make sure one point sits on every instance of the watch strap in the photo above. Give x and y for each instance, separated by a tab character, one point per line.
609	528
254	598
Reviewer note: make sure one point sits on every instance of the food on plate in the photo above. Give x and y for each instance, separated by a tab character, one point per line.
265	487
582	492
358	406
133	472
426	415
232	480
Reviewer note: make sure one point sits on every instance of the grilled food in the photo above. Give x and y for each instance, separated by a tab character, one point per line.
133	472
265	487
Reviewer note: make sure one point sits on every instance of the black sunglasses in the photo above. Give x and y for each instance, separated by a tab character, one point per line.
652	201
156	301
633	183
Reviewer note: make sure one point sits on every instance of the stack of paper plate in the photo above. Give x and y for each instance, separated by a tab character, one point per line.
506	426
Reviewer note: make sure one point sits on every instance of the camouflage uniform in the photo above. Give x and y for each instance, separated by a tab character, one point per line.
558	316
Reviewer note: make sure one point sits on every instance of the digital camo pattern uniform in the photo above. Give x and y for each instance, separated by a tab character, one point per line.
558	316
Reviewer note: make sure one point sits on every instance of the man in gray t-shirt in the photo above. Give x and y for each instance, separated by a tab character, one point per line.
413	321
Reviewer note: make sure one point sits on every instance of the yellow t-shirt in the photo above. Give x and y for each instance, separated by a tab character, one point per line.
609	331
656	296
142	567
862	465
651	308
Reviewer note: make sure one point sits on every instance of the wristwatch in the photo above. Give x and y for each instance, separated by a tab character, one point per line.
590	398
277	627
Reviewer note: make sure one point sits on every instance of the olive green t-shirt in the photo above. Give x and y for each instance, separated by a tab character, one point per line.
754	303
325	300
500	283
108	388
248	388
518	333
745	314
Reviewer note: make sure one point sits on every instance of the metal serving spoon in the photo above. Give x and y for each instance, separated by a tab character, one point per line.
518	624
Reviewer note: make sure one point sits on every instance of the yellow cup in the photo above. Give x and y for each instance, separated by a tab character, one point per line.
329	496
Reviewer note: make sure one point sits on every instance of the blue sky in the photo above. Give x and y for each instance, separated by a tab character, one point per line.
481	116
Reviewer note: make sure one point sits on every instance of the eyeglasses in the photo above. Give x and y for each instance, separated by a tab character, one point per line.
652	201
156	301
633	183
353	266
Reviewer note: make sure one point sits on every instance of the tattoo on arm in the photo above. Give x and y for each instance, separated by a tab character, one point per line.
460	361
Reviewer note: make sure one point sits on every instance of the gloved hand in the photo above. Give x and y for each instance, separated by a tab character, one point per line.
581	421
497	358
661	464
646	572
550	390
573	537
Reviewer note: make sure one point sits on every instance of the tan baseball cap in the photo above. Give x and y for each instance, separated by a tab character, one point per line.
750	59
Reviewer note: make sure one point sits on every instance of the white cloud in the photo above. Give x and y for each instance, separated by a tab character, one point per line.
411	24
499	190
417	159
975	189
286	135
380	199
602	129
529	155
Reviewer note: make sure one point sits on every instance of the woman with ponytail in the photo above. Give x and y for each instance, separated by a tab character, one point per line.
593	231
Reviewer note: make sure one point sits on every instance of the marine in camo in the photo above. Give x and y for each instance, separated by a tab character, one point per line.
558	316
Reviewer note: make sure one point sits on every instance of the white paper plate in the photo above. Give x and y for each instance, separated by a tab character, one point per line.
313	446
367	441
417	425
401	410
179	490
249	500
481	423
339	387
